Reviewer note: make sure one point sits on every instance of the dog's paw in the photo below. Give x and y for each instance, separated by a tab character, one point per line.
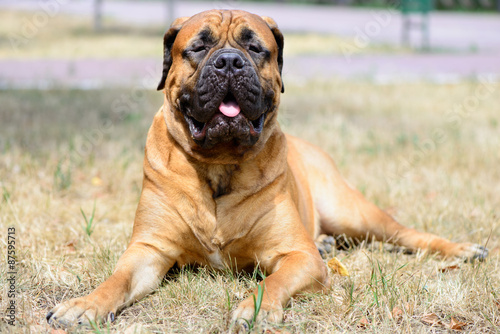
243	316
473	252
325	244
79	311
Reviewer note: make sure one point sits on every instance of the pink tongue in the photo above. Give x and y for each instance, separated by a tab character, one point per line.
229	109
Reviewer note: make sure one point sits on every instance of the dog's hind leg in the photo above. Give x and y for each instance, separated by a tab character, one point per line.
351	214
344	210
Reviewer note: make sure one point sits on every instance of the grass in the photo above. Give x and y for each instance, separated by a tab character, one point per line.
89	225
72	37
257	303
379	136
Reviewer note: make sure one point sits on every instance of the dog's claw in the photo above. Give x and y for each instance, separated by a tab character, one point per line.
480	254
476	253
330	241
325	244
241	326
48	316
111	316
245	326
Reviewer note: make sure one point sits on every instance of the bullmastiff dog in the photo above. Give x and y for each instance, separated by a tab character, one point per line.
225	187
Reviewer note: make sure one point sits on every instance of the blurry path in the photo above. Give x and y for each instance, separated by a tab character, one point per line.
469	44
145	73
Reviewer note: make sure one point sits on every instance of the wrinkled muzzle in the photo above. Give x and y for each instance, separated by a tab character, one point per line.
228	103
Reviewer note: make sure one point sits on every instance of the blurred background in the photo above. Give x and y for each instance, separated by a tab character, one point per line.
97	43
404	95
113	49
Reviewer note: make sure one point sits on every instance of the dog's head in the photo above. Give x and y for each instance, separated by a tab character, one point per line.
222	81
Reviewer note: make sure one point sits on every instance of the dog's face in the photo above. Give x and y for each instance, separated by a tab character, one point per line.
222	81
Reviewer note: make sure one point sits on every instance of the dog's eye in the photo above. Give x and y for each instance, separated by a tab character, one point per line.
198	48
254	48
195	52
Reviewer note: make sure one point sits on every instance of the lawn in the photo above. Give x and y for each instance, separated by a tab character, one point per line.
72	37
426	153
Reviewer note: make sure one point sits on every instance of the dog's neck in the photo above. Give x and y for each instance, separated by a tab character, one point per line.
248	175
166	155
219	178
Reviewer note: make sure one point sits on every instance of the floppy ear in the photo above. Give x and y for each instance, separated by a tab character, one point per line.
278	36
168	41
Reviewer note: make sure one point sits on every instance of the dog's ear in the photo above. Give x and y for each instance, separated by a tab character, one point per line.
168	41
278	36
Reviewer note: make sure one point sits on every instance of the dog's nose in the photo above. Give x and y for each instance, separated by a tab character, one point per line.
229	61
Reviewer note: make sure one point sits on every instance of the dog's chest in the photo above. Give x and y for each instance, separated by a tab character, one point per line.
219	179
227	254
215	254
216	260
220	241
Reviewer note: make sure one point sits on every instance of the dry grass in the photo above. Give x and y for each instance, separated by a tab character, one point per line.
67	37
452	190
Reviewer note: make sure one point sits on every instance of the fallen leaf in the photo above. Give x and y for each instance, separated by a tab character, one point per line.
96	181
456	325
431	195
449	268
431	319
397	313
32	328
476	212
137	328
409	308
71	244
57	331
363	323
337	267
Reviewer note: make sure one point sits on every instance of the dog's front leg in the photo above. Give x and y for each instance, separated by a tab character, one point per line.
295	272
138	272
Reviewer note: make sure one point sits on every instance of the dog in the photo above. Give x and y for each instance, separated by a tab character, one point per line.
225	187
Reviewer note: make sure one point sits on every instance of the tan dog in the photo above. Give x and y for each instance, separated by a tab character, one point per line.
225	187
